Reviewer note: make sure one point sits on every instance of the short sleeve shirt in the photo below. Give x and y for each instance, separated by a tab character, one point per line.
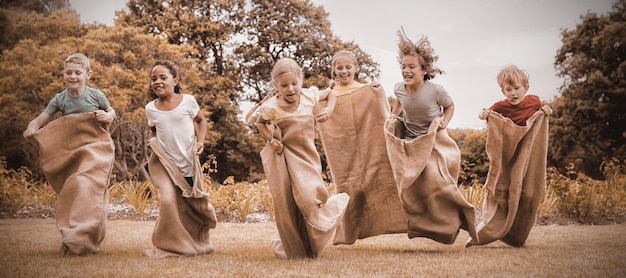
89	101
175	131
521	112
420	109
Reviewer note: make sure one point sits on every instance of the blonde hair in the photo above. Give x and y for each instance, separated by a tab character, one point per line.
341	54
512	75
79	59
281	67
422	50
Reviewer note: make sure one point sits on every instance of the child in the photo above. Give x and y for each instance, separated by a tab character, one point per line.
77	154
517	106
419	100
424	159
185	214
306	216
517	139
354	143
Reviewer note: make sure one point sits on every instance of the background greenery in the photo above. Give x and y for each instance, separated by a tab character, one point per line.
226	49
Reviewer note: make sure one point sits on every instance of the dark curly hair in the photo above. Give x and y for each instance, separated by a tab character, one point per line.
422	50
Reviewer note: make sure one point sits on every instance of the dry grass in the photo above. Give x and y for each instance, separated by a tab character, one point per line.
30	248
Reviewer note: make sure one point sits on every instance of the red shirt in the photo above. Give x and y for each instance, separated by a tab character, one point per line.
518	113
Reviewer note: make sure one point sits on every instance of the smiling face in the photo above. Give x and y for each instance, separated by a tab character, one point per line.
344	70
162	82
412	71
289	86
75	76
514	92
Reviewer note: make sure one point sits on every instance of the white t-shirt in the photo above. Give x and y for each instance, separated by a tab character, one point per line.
175	131
270	111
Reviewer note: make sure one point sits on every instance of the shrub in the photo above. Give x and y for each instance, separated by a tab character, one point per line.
140	195
14	191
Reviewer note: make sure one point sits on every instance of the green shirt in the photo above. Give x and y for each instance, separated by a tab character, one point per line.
89	101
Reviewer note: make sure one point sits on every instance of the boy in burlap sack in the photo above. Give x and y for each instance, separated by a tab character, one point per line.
517	140
76	154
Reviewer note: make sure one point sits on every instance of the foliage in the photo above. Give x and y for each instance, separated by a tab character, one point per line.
474	161
474	193
14	191
588	200
140	195
589	116
44	194
241	198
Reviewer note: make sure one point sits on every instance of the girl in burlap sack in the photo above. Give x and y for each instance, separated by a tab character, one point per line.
76	154
185	213
306	214
354	143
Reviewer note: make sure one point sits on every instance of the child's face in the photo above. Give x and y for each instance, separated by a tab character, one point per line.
514	93
75	76
162	82
412	72
345	69
289	86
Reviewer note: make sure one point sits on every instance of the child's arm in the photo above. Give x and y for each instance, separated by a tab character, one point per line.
106	116
36	124
447	116
201	132
397	107
325	112
267	134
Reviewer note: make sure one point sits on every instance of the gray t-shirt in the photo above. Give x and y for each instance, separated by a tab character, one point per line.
90	100
420	109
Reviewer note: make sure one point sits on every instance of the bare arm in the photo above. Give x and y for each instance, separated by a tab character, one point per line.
201	131
397	107
447	116
261	124
36	124
325	112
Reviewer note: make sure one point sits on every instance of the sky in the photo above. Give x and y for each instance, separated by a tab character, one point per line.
474	40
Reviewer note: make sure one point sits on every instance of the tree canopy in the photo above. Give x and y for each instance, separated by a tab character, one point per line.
588	126
216	44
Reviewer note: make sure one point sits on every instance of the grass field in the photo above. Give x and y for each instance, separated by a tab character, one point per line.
30	248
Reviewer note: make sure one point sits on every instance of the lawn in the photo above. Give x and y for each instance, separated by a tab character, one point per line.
30	248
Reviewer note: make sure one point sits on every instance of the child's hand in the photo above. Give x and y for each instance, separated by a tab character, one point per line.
484	114
104	117
375	84
199	147
323	115
29	132
277	145
546	109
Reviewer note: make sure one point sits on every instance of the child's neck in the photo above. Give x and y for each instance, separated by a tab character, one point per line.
415	87
168	102
76	92
288	106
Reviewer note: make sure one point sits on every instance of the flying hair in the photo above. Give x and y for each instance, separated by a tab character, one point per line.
422	50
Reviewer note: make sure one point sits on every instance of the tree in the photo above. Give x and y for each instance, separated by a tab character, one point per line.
208	27
587	127
30	75
296	29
